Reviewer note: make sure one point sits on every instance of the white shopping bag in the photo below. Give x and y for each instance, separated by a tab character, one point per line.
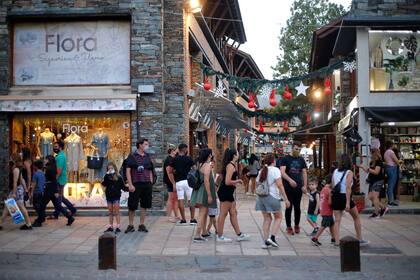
14	210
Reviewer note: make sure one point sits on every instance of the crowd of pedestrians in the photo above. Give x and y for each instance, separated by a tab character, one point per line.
275	183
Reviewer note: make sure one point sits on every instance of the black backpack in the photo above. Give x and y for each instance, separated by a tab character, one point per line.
193	178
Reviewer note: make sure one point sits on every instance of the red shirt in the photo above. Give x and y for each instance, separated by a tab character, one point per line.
325	207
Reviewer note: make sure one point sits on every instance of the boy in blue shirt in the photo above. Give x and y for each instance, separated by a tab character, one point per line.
37	191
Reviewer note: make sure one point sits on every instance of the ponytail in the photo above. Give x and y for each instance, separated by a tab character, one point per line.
268	160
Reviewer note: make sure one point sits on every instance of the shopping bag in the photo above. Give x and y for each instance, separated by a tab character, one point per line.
14	211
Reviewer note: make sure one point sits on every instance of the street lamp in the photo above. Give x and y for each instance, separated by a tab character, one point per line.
317	93
316	115
195	6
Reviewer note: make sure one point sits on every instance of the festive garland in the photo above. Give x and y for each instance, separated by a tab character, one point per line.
298	112
252	85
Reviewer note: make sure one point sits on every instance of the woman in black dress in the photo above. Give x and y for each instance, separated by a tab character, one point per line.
226	197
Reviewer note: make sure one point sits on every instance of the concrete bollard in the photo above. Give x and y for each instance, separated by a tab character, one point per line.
349	254
107	251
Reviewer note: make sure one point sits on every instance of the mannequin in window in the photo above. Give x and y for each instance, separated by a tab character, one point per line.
46	140
74	154
101	141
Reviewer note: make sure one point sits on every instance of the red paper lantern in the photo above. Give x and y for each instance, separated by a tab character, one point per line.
287	95
285	126
251	103
273	101
261	128
308	118
207	85
327	85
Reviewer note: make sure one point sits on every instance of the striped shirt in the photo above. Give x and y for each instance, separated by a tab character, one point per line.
144	176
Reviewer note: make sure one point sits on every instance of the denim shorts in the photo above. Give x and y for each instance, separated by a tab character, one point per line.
268	204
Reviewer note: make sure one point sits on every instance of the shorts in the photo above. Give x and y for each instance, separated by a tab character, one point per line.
376	187
268	204
20	194
142	194
312	217
225	193
169	187
339	202
327	221
183	189
253	175
113	200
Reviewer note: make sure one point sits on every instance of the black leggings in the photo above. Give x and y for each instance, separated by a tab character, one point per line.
294	196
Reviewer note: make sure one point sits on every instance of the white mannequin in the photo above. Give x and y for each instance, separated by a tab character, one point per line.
74	153
46	140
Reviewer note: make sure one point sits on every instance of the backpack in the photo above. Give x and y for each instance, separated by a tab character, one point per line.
193	178
337	187
263	188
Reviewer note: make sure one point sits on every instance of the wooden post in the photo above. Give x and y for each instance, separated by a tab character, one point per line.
350	254
107	251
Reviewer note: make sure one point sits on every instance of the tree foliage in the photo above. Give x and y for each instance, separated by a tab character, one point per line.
296	38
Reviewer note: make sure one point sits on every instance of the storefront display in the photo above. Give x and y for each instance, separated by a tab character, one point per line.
88	138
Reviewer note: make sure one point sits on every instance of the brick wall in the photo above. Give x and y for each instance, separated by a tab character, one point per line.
4	156
385	7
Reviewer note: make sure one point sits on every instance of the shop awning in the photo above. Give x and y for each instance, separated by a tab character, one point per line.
323	129
393	114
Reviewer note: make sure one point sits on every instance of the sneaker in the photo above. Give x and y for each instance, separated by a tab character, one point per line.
272	243
374	215
297	229
110	229
130	228
397	202
264	245
193	222
384	211
74	212
314	232
181	223
200	239
117	230
36	224
223	239
70	220
207	235
243	237
248	194
289	231
394	204
26	227
363	243
332	241
142	228
315	242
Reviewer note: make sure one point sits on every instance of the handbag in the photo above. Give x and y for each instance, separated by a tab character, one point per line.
95	162
263	188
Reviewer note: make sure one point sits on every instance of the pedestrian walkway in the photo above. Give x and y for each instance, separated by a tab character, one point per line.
394	235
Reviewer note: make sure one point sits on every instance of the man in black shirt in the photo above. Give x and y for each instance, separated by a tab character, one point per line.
181	166
295	180
169	180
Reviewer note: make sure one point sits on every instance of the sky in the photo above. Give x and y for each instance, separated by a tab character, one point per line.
263	20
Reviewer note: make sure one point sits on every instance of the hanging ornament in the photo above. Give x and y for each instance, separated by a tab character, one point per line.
285	126
308	118
273	101
207	85
251	103
349	66
287	95
220	90
301	89
261	128
327	85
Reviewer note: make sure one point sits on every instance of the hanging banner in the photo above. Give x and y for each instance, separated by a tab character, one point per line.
71	53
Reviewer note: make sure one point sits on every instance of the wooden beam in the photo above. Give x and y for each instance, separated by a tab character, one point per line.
219	22
240	66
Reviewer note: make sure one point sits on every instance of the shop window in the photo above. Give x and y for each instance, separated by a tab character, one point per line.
91	142
394	60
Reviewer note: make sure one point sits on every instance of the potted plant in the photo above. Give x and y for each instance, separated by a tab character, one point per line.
395	65
411	45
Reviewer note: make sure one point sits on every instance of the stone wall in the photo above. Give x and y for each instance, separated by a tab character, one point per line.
158	58
385	7
4	156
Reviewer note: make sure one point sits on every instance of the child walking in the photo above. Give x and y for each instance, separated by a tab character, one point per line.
37	192
113	184
313	206
326	213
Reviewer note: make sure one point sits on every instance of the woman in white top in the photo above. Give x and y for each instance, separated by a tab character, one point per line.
270	204
343	176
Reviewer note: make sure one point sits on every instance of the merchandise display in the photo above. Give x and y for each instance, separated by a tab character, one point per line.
91	140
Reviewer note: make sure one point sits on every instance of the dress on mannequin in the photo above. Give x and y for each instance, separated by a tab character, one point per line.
101	141
46	142
74	152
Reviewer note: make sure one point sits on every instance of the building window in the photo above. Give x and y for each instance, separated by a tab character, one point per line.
394	60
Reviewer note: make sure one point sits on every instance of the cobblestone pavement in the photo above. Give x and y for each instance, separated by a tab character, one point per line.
394	250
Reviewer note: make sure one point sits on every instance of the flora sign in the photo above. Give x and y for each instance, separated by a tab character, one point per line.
71	53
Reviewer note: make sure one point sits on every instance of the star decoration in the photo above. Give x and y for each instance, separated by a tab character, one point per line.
349	66
220	90
301	89
265	91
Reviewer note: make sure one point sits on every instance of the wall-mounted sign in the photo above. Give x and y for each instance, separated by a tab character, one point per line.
71	53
